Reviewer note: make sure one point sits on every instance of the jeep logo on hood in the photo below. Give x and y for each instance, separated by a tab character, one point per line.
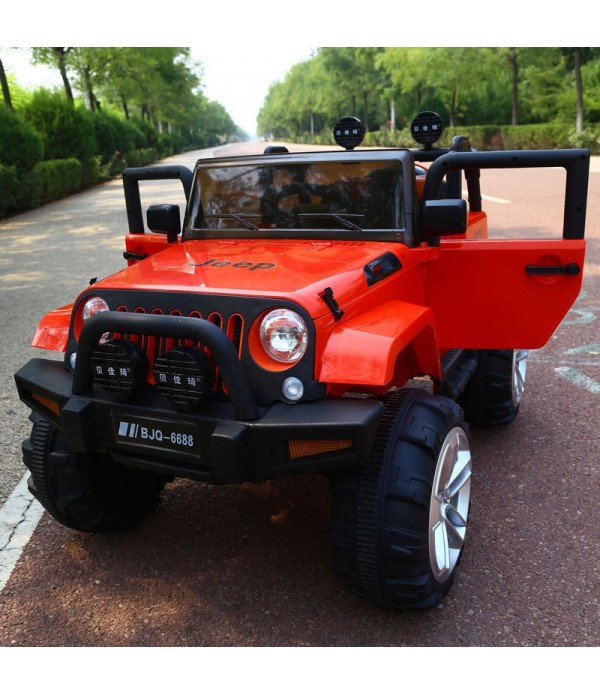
248	265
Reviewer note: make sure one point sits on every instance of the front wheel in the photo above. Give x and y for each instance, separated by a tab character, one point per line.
86	492
398	525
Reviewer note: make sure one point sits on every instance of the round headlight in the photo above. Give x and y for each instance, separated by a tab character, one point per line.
93	306
283	335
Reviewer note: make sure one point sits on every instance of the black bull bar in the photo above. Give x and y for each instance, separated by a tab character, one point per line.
222	349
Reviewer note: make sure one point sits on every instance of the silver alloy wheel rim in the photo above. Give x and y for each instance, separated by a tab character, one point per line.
519	371
449	504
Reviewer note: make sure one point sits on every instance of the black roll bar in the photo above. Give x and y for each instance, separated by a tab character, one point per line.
131	178
576	162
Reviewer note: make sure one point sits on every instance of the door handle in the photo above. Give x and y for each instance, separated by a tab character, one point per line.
567	269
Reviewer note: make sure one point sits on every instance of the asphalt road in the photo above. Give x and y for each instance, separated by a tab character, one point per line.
250	565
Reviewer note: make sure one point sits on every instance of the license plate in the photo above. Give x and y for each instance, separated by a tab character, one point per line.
165	435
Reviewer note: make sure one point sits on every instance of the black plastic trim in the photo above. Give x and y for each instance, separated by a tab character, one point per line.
225	449
381	267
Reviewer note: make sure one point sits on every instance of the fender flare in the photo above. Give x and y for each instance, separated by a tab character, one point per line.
52	332
365	349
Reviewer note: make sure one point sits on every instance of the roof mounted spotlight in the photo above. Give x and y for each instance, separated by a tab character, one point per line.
349	132
427	128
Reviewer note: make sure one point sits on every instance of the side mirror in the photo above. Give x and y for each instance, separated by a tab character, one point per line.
443	217
164	219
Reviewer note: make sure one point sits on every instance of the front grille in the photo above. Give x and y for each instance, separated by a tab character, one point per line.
154	346
233	314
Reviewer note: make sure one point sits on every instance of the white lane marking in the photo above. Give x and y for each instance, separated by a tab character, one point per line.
18	518
491	199
591	349
577	378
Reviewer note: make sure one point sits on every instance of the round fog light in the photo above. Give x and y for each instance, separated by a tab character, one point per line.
185	375
119	366
292	388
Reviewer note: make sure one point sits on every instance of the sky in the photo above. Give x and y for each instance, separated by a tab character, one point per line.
240	79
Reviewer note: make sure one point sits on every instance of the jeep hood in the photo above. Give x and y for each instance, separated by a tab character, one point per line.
298	270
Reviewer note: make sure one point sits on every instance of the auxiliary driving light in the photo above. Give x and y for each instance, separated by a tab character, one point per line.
185	375
292	388
427	128
119	366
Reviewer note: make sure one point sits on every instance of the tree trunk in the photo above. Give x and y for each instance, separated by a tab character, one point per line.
514	64
392	114
62	66
579	88
452	107
88	88
5	89
125	107
366	110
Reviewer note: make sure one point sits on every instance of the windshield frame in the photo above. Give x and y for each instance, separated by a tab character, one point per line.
348	229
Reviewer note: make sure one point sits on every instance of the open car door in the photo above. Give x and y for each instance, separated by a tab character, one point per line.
507	293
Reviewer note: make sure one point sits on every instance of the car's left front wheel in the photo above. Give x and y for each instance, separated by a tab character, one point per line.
398	524
86	492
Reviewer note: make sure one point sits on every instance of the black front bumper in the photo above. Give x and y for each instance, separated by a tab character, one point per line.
211	443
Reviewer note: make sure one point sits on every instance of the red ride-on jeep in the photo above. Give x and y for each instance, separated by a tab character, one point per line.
275	331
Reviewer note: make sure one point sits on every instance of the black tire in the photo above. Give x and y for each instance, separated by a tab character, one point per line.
493	396
385	521
86	492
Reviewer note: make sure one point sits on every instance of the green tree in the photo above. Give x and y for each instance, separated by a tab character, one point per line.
5	88
20	144
590	77
407	71
575	60
357	77
66	129
91	67
58	58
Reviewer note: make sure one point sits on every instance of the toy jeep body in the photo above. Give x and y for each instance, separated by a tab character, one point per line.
275	335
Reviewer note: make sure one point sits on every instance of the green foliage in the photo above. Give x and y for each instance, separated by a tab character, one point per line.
499	137
20	144
66	130
112	134
91	172
590	138
58	177
18	190
140	158
147	133
466	86
536	136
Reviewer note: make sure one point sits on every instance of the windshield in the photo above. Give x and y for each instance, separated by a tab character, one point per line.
258	198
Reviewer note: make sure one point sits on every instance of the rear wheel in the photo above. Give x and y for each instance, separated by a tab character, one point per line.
494	394
86	492
398	525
